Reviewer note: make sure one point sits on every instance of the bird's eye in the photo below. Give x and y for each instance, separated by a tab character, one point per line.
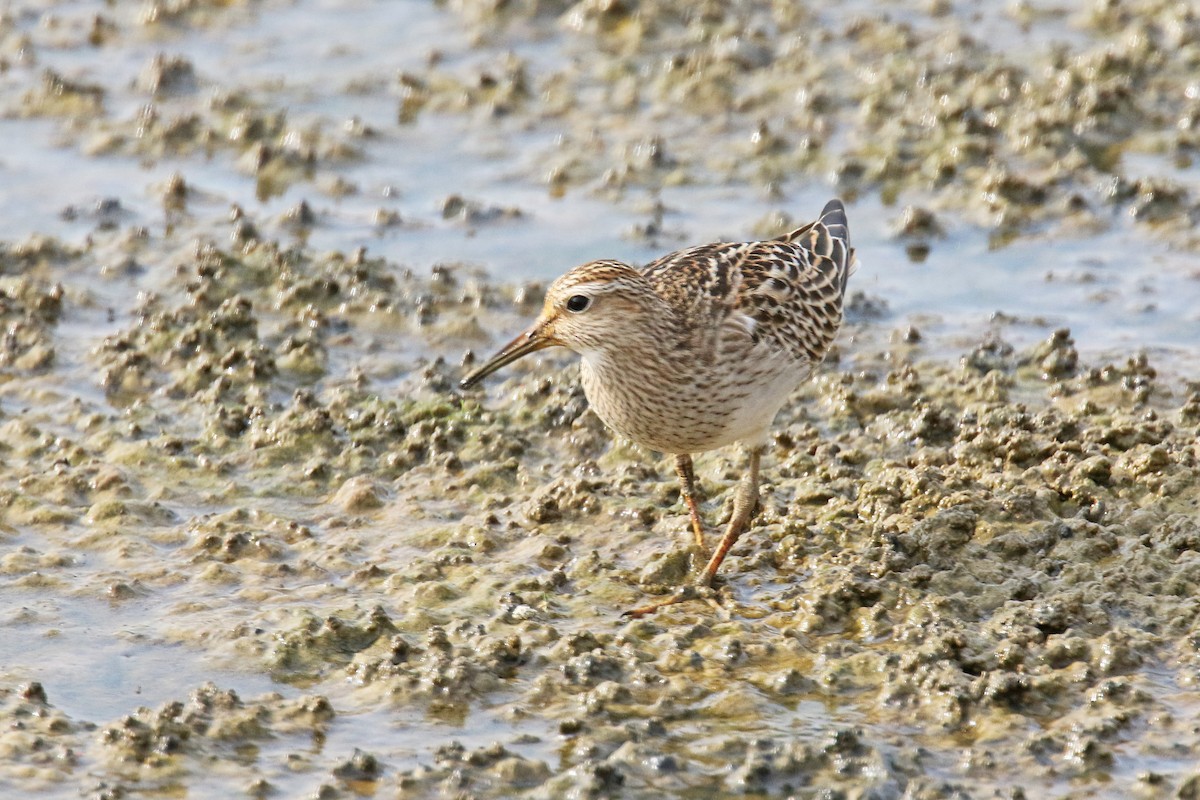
578	302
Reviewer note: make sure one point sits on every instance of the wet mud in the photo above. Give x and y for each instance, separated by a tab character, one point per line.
983	570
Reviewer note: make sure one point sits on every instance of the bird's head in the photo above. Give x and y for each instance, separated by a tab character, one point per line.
591	309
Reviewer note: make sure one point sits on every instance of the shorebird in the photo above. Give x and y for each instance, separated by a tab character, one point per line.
699	349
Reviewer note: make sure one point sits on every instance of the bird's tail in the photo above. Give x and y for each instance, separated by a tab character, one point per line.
833	217
829	236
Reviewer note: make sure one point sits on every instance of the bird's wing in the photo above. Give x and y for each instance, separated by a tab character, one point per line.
785	293
701	285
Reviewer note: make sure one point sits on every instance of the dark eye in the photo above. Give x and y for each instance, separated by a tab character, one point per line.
578	302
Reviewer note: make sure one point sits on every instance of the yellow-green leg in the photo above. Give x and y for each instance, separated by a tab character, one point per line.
687	486
743	506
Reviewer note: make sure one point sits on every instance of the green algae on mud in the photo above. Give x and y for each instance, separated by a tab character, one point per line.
985	570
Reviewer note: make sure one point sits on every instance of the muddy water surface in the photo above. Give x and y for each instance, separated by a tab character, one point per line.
253	541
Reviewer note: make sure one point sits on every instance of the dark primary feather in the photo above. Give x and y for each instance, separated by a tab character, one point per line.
791	287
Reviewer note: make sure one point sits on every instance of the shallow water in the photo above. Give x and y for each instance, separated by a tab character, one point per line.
1125	288
100	661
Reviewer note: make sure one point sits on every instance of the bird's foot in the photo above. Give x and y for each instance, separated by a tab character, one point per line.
681	595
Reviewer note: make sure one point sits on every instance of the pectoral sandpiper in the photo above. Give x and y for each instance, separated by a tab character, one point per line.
699	349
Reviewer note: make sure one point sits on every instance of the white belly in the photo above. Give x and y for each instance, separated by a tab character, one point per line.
700	408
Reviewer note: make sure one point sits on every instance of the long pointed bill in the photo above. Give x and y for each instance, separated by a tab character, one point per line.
534	338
